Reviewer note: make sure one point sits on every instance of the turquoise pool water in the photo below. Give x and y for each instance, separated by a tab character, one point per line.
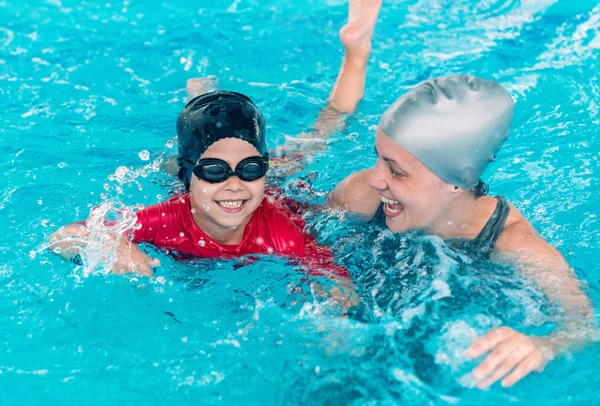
89	87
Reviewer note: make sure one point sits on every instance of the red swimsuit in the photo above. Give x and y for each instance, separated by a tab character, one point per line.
271	230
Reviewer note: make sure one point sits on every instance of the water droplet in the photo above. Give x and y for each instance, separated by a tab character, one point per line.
259	241
182	200
159	197
163	214
193	210
62	165
57	250
270	250
121	172
31	254
201	243
144	155
205	190
40	201
181	234
219	124
169	144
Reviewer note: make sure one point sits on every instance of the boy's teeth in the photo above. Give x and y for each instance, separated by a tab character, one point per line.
389	201
231	204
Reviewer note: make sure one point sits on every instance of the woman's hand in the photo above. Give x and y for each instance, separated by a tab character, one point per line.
512	356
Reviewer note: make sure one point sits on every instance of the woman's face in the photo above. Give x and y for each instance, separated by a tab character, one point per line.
228	204
414	197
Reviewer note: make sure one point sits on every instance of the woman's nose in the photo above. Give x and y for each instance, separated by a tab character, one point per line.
378	178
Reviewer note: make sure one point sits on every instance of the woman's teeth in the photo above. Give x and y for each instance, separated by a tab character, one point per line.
389	201
231	204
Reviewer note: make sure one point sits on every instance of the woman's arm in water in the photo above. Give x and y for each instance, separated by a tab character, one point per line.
513	355
347	91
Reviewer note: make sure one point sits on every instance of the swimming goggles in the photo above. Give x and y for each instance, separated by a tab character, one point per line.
213	170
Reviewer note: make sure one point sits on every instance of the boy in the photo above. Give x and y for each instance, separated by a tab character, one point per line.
223	161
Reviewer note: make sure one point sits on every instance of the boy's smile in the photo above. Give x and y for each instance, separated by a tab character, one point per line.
224	208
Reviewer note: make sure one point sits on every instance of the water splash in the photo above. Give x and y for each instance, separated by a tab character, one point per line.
111	221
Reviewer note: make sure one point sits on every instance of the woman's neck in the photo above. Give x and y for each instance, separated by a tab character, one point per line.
464	218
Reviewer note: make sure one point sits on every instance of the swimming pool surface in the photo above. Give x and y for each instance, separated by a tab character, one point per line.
89	87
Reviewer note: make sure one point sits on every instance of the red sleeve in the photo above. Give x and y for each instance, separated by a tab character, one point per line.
319	260
148	223
290	227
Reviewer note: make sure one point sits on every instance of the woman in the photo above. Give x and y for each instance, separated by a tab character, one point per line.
433	144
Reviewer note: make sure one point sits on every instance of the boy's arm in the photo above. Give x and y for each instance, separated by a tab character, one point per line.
71	241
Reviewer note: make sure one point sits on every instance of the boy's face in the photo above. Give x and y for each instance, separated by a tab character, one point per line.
228	204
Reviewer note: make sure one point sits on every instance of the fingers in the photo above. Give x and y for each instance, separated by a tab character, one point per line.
143	269
510	351
511	358
149	261
143	263
498	356
489	341
531	363
132	259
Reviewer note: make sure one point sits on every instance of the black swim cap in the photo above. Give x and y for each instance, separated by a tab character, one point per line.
214	116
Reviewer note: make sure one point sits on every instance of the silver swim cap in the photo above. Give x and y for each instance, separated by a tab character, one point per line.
454	125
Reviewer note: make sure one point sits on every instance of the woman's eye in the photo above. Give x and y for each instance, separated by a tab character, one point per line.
394	173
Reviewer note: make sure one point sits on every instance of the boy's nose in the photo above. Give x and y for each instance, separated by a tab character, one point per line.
234	184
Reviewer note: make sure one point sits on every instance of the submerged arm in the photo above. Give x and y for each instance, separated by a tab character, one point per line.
548	268
514	355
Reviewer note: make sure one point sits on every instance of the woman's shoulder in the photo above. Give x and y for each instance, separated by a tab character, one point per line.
517	232
354	194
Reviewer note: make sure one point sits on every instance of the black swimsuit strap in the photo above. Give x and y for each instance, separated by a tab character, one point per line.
485	242
489	234
379	217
